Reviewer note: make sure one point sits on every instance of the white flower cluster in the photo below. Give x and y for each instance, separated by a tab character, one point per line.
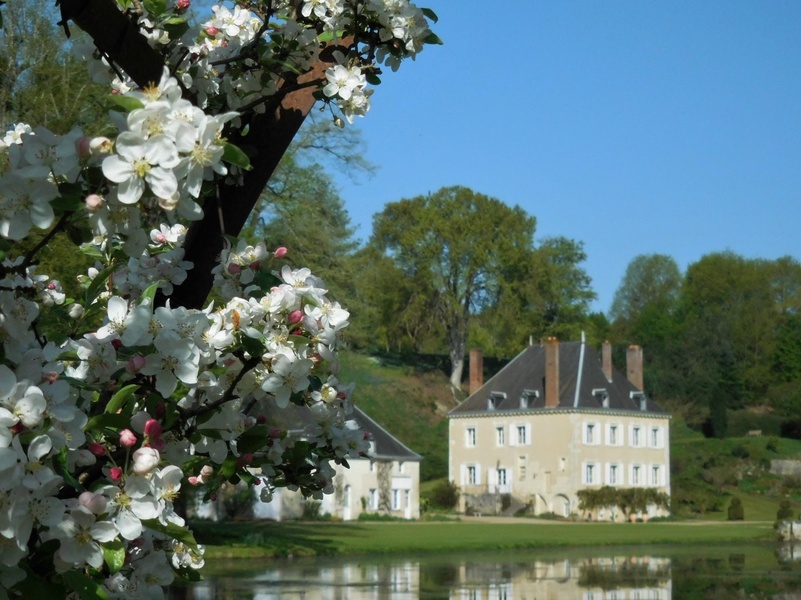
236	59
82	461
101	426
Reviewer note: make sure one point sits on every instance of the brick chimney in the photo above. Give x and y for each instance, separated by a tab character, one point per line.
476	370
606	360
551	372
634	366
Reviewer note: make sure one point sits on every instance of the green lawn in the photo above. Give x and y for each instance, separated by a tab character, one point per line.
268	539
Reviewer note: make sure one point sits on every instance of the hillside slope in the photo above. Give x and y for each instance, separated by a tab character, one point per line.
408	401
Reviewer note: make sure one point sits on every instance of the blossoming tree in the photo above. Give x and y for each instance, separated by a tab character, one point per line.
154	388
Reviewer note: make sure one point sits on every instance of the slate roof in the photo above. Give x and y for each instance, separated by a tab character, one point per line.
526	373
387	446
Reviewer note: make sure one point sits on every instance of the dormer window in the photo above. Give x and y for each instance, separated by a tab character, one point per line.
527	398
602	396
494	400
640	399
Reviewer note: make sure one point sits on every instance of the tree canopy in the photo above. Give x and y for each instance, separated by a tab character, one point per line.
460	246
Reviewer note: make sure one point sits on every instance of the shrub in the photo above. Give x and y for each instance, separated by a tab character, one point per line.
736	512
785	510
740	451
444	495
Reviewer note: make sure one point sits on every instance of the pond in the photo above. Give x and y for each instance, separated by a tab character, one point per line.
653	573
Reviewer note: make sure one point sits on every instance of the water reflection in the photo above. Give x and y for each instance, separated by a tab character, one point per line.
761	571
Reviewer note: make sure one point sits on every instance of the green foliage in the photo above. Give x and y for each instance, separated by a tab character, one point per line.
447	243
785	510
444	495
40	82
629	500
735	511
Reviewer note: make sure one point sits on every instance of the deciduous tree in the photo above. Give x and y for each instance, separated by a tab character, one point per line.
462	243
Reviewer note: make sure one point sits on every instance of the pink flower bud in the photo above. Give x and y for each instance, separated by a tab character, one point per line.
160	238
206	472
280	252
51	377
261	419
153	429
296	316
234	268
127	438
145	460
135	364
96	503
115	473
256	481
117	344
160	410
82	147
212	31
97	449
274	432
93	202
182	4
193	480
255	265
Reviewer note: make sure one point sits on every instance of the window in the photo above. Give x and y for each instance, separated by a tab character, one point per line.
613	435
612	474
471	437
589	474
655	475
401	466
501	476
472	475
396	500
522	438
522	461
635	475
655	437
501	432
635	436
589	433
373	499
562	464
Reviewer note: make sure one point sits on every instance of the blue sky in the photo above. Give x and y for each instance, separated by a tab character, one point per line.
634	127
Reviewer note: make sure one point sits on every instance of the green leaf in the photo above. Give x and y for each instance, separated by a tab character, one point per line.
114	555
430	14
155	7
79	235
97	285
176	532
87	588
234	155
60	465
127	103
150	293
108	420
266	280
119	399
373	79
175	26
432	38
252	346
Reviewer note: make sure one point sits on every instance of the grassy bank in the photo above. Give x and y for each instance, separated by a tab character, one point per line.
269	539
